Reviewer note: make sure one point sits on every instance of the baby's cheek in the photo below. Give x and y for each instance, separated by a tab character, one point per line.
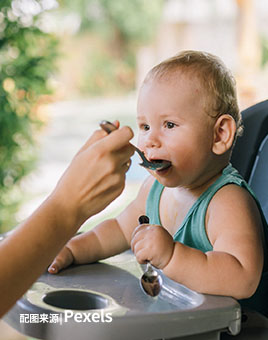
186	166
141	141
185	160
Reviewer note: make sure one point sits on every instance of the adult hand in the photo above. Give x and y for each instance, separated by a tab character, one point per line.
152	243
94	178
96	175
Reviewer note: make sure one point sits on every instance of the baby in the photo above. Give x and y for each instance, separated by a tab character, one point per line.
206	230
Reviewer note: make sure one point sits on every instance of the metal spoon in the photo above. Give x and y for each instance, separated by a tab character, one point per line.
151	281
157	165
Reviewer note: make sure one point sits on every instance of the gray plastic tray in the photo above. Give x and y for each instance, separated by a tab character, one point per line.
110	289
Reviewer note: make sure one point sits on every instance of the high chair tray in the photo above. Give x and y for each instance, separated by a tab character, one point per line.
104	301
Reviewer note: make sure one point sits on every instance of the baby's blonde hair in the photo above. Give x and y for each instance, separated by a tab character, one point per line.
217	80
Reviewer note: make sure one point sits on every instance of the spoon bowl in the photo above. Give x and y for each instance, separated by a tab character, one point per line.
151	282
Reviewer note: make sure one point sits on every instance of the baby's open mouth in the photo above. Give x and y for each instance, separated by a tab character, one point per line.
160	164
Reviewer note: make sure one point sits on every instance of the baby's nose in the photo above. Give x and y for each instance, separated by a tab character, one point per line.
153	140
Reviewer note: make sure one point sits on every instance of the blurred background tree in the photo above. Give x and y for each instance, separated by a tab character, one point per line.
27	57
117	29
108	35
106	48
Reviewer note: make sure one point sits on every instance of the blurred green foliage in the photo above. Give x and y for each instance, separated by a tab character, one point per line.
122	26
133	21
264	42
27	58
105	74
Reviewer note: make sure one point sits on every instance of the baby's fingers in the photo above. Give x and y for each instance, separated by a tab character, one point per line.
55	266
137	235
140	231
61	261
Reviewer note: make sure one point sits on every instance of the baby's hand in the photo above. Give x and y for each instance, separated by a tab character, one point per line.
62	260
152	243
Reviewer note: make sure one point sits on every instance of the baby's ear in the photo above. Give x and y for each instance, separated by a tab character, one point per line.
224	134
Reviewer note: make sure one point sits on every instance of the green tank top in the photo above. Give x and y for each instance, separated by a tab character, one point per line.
192	231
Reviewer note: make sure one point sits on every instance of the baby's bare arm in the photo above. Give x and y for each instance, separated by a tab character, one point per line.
103	241
109	238
235	265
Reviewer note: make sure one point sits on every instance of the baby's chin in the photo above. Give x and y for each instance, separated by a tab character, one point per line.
166	177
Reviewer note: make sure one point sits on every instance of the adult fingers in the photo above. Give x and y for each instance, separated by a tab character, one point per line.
96	136
126	166
117	139
116	123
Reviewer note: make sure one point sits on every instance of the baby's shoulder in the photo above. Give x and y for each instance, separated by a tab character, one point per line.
145	190
230	201
232	194
232	210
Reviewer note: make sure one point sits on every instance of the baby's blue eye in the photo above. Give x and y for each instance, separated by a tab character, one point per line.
170	125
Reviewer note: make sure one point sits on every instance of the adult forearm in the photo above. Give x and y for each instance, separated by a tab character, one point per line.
95	177
26	253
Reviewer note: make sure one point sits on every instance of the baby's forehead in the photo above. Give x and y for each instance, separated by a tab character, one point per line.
177	80
174	93
176	75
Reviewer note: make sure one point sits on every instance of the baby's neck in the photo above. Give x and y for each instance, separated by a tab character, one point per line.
196	189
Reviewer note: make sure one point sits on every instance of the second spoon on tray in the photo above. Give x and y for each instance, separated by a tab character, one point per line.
151	282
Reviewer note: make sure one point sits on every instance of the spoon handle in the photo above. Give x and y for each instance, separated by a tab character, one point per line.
107	126
143	219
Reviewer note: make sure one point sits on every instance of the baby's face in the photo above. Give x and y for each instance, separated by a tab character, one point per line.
174	126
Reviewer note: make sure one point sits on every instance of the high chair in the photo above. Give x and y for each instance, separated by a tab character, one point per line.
250	157
112	285
255	121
